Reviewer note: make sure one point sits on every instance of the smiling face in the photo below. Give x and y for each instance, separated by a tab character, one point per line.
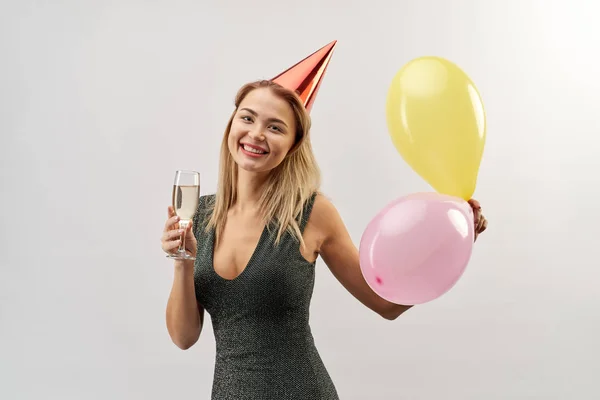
262	132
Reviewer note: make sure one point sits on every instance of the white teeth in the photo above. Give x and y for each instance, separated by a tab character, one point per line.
253	150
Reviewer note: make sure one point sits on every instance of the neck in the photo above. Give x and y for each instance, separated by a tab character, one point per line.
249	188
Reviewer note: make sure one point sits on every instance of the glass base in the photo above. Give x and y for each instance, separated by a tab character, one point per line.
181	255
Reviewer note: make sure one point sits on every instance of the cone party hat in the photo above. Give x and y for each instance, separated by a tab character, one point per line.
305	76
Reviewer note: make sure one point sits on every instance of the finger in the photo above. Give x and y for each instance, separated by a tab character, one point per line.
475	204
176	232
481	228
484	225
169	235
476	216
171	221
482	221
171	245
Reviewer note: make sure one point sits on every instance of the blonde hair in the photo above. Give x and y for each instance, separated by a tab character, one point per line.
288	186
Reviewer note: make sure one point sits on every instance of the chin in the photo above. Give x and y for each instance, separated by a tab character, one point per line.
253	169
246	166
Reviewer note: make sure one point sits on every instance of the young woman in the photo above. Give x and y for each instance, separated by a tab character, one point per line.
256	242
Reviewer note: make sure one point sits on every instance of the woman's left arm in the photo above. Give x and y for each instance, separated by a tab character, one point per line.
342	257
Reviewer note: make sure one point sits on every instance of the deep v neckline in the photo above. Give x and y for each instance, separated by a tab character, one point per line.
254	254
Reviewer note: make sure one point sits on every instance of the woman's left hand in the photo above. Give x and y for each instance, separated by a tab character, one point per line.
480	221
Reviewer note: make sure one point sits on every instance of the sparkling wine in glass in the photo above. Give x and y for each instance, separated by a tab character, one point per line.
186	195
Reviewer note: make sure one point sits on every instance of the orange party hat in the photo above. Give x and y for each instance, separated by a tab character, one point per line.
305	76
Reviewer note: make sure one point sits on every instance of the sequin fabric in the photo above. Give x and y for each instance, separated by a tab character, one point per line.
264	345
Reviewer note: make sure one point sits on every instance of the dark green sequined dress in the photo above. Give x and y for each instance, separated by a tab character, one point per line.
264	345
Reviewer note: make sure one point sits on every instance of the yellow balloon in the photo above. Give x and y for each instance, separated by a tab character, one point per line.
437	122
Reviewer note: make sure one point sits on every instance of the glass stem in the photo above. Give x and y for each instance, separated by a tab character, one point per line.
183	225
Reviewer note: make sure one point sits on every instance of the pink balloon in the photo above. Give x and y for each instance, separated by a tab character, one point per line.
417	247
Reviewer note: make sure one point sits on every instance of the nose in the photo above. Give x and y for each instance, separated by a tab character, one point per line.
256	133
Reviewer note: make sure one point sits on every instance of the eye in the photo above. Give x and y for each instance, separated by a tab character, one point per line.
246	118
276	128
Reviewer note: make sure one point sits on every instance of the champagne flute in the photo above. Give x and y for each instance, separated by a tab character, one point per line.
186	196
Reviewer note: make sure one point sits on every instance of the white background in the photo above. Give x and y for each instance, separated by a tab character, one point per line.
100	102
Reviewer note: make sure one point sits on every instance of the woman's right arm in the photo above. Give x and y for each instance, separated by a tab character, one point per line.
184	315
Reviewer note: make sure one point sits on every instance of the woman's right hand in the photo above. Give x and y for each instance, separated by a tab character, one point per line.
172	235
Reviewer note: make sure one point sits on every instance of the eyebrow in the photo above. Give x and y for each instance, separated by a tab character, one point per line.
256	115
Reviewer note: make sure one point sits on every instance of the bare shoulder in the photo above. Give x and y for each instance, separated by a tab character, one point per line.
323	208
325	220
